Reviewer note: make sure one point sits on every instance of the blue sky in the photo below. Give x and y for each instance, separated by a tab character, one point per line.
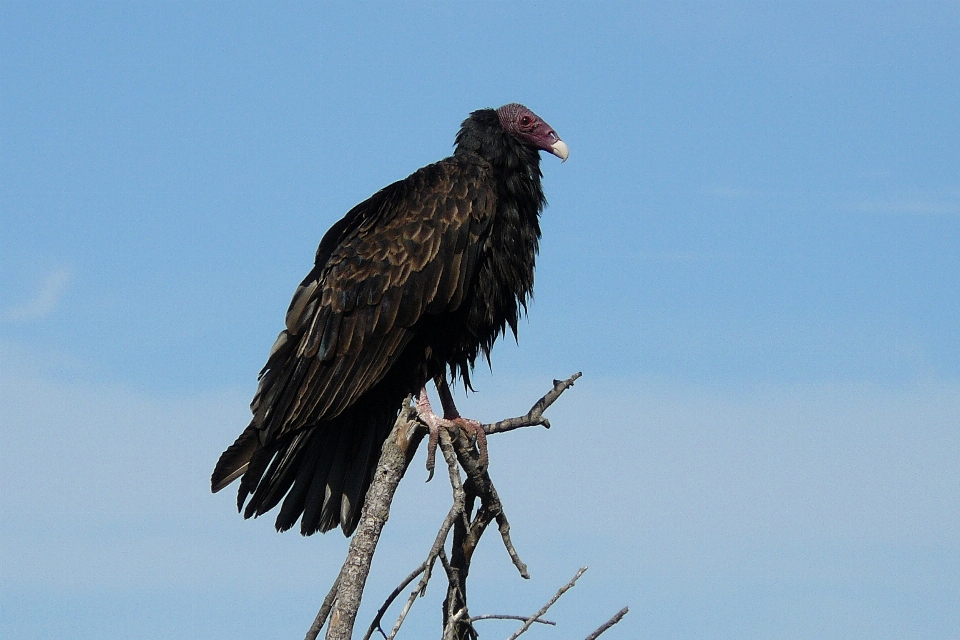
751	254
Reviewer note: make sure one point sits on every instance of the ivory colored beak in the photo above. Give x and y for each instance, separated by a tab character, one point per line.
559	149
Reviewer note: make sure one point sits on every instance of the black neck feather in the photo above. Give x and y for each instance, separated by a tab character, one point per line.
517	164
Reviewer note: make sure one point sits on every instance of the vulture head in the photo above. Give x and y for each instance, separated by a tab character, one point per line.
526	125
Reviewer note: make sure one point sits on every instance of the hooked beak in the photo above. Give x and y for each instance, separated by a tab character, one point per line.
559	149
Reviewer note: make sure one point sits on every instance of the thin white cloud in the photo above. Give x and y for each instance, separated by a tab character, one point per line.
923	204
806	463
686	256
907	207
45	301
648	483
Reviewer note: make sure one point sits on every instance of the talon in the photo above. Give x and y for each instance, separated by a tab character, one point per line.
432	443
450	421
479	437
433	421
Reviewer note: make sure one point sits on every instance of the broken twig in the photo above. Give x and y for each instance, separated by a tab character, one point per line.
543	610
609	623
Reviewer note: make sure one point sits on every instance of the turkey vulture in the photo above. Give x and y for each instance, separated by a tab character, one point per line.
411	284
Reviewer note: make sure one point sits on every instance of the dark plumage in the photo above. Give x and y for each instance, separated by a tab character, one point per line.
419	279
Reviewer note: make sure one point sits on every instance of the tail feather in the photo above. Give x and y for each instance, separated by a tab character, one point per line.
248	483
357	480
278	479
310	522
293	504
234	462
330	511
320	473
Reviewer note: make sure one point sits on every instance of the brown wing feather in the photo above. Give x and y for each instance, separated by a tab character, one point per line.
408	250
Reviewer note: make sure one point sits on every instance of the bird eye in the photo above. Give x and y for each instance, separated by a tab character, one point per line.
525	121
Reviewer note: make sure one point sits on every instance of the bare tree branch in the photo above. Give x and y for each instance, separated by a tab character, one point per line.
534	417
498	616
445	563
375	625
504	528
449	629
459	494
343	601
325	608
435	552
543	610
480	485
404	612
609	623
467	533
395	457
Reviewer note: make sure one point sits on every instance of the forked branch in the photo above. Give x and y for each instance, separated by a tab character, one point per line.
535	416
543	610
343	601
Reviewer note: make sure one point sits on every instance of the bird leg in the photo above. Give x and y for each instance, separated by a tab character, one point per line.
470	426
451	420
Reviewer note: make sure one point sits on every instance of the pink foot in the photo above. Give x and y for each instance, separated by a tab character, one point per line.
451	421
